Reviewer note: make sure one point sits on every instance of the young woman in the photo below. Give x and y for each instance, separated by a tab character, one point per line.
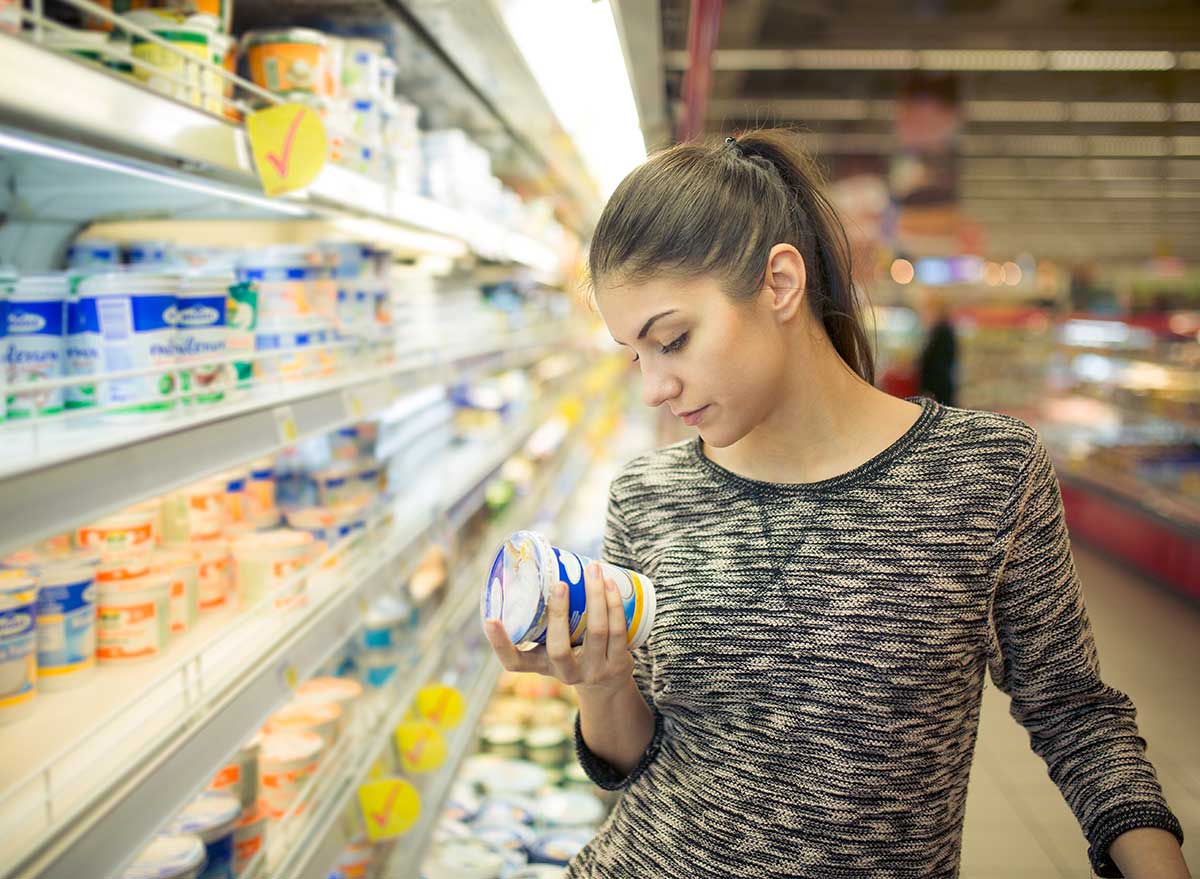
835	569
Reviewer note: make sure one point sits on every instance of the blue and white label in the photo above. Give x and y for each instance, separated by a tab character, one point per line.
83	355
33	352
66	626
18	641
137	332
201	331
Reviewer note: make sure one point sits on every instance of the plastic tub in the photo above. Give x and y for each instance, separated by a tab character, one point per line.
181	567
123	567
134	314
242	317
527	566
154	508
147	253
569	809
168	857
235	495
260	488
547	746
284	764
92	253
34	348
289	60
240	775
502	740
18	643
323	718
464	859
132	619
132	530
195	513
214	577
201	333
249	837
66	620
82	353
342	692
179	79
287	279
266	560
336	485
212	817
361	61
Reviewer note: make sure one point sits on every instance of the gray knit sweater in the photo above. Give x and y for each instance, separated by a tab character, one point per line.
818	658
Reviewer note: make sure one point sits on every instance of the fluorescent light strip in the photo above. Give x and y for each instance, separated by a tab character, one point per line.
940	59
37	148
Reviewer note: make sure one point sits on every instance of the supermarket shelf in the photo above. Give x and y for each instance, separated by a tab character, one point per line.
40	495
96	834
312	858
109	123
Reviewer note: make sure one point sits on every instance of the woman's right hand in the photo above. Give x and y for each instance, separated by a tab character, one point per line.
602	664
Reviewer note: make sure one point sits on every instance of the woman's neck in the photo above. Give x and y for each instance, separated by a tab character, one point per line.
828	421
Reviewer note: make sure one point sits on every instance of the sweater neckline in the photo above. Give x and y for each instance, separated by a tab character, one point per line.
931	410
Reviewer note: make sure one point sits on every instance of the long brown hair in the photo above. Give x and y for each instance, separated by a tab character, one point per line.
703	209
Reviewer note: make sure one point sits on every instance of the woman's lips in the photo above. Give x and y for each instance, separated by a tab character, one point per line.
691	419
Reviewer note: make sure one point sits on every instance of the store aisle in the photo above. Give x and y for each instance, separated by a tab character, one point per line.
1017	822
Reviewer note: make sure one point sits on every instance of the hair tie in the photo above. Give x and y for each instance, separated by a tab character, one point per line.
732	143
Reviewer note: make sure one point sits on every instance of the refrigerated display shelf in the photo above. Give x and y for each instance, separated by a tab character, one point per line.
40	493
100	828
115	125
314	858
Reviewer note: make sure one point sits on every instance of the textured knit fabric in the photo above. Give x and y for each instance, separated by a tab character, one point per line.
818	657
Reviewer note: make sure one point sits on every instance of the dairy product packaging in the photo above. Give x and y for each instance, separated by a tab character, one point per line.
201	332
168	857
527	567
66	619
133	618
240	775
212	817
34	344
18	643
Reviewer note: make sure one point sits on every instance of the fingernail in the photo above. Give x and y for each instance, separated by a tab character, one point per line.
560	589
610	586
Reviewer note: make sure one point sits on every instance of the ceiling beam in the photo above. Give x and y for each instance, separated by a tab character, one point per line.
866	57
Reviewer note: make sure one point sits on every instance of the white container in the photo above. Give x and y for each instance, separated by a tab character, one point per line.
567	809
342	692
66	620
240	775
147	253
464	859
235	495
337	484
18	643
250	836
323	718
135	313
285	762
133	619
92	253
527	567
201	333
34	343
195	513
214	572
81	349
168	857
361	62
130	531
212	817
182	570
265	560
287	278
260	489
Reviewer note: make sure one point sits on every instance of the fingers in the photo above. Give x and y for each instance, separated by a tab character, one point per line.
510	657
618	639
595	642
558	636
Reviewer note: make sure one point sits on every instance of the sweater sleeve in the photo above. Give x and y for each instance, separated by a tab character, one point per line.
618	551
1044	656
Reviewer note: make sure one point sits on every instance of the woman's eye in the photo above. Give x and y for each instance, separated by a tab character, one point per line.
672	347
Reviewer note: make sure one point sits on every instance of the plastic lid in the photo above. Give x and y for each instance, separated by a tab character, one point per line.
303	715
545	737
569	808
329	690
51	285
282	538
286	35
126	283
502	734
210	816
168	857
291	746
208	281
465	859
16	580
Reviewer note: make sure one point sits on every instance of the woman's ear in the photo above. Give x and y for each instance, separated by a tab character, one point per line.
785	282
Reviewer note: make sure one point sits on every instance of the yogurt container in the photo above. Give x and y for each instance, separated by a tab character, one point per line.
331	523
502	740
323	718
235	495
569	809
464	859
355	860
241	315
214	574
135	313
147	253
361	61
132	530
342	692
34	348
284	764
168	857
505	810
179	79
266	560
527	567
547	746
132	619
249	837
260	489
195	513
93	253
240	775
337	484
539	871
82	352
182	570
18	643
123	567
66	621
513	837
286	278
559	847
291	59
201	333
212	817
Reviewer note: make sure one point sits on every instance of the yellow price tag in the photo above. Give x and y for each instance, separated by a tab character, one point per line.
285	421
390	807
289	146
420	746
290	677
441	705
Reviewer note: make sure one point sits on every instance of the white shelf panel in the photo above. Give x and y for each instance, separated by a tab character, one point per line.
145	738
83	471
119	120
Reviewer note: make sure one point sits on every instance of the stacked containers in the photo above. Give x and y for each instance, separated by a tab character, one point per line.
201	333
66	618
296	297
34	330
18	643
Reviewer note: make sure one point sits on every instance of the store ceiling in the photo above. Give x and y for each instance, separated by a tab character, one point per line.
1081	133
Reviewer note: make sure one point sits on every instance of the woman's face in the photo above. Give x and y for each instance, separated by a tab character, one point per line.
716	363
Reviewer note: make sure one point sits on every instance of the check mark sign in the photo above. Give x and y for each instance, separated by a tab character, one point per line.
281	163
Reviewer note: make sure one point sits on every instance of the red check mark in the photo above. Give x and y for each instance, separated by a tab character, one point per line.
413	754
281	162
382	816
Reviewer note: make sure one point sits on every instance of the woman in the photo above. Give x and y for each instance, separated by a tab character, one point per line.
835	568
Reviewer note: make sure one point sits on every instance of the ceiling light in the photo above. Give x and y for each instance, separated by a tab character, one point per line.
1108	60
903	272
574	52
980	59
